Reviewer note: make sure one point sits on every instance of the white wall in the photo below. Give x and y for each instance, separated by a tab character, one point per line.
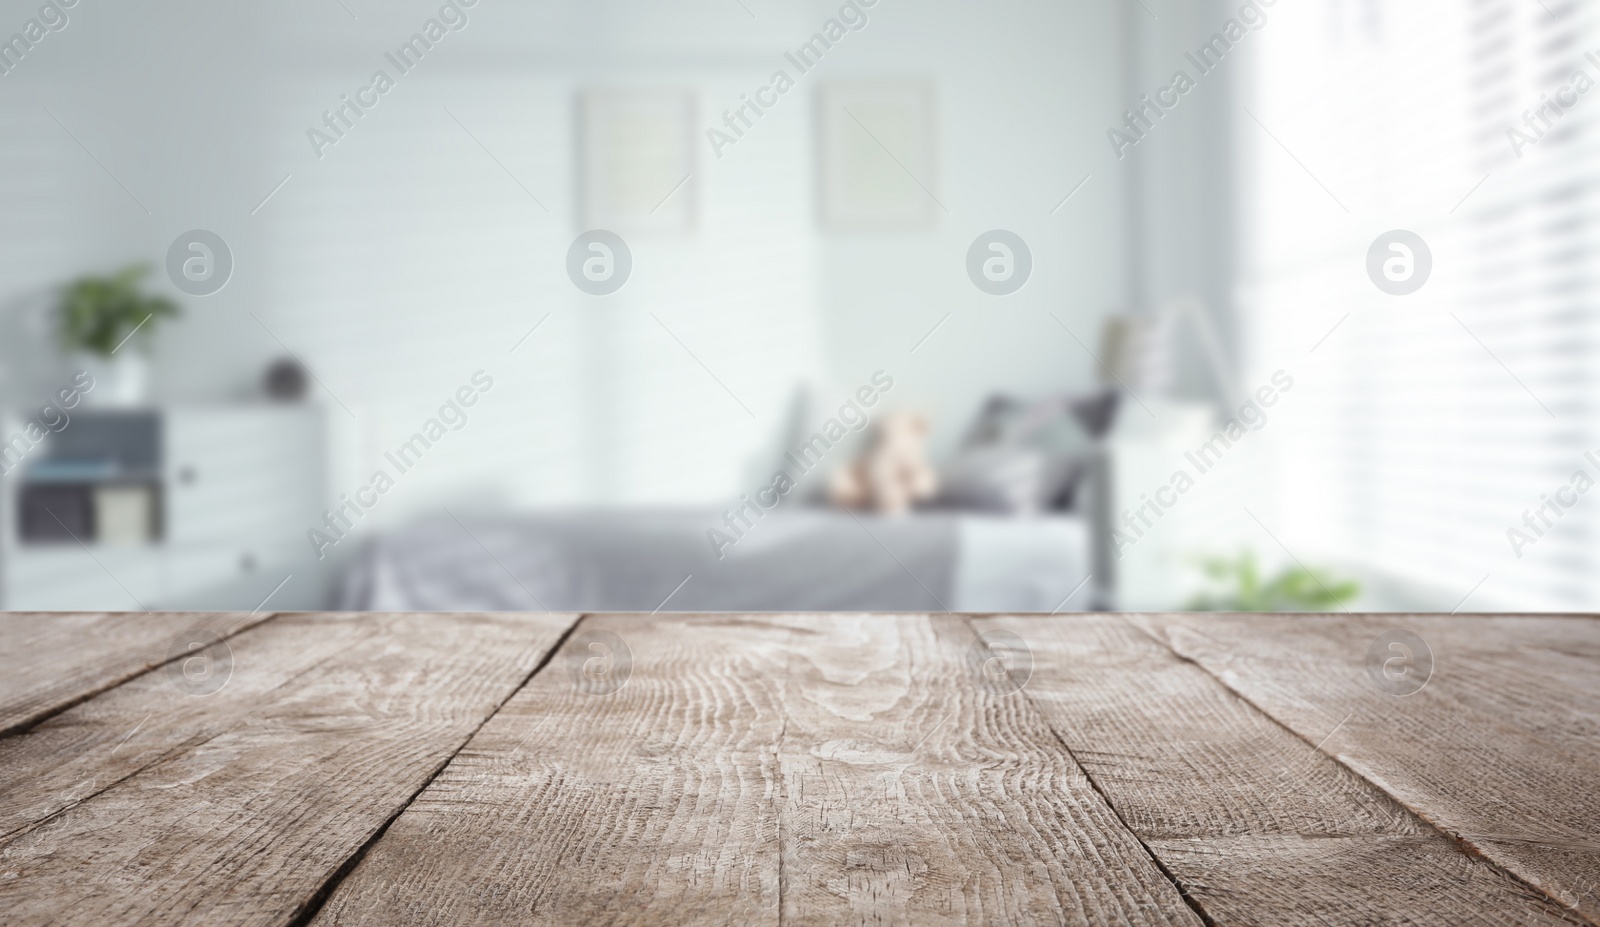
1025	90
406	258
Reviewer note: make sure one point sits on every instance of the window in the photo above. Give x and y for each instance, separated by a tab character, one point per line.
1428	425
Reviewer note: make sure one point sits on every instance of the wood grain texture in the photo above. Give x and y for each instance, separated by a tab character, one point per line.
52	660
1499	748
91	747
1257	824
920	789
1370	880
803	769
1179	754
243	817
655	803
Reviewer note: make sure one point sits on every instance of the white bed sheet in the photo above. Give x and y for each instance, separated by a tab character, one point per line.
806	560
1038	564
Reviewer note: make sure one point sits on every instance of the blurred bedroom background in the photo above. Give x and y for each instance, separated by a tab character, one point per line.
1012	306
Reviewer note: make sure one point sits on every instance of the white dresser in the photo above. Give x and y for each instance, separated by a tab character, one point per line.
234	489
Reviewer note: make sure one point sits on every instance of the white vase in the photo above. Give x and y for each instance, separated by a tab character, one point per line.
120	381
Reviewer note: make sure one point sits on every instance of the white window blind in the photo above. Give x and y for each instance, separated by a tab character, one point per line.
1424	426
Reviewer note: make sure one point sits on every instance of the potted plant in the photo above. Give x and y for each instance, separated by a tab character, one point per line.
105	324
1242	588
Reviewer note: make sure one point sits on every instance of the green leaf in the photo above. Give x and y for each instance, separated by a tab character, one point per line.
1295	588
96	314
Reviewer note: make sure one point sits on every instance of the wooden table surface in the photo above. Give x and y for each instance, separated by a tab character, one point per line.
799	769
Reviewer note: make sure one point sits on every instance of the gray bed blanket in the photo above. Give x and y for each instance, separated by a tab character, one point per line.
644	560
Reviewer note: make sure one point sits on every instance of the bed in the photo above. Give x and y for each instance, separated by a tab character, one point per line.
802	560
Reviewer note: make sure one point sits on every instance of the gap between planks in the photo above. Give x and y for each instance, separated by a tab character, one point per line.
1464	845
146	684
857	699
317	900
313	905
33	721
309	912
1161	866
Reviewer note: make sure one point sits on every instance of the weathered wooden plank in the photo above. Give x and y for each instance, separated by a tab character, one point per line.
1497	747
1256	823
817	769
610	790
246	816
1352	880
100	742
52	660
921	788
1179	754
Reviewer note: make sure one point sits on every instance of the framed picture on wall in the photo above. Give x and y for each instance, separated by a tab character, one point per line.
636	160
878	154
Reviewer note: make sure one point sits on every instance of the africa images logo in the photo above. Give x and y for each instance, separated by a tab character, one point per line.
599	262
337	122
852	18
999	262
1141	119
1399	262
199	262
1399	663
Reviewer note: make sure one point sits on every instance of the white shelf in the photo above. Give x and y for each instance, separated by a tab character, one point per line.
239	487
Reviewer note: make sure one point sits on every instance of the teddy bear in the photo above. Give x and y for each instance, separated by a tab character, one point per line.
893	472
